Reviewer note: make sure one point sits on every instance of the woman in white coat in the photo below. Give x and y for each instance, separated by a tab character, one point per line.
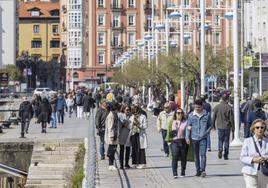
254	153
138	137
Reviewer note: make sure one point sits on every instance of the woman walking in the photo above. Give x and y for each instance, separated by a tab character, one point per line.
176	136
124	135
111	133
138	137
45	113
254	155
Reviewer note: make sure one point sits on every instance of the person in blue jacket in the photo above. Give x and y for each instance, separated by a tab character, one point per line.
61	105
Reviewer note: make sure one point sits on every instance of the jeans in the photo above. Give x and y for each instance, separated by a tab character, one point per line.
165	145
111	153
224	140
79	111
102	149
200	149
60	116
70	110
247	132
121	156
178	149
208	141
53	120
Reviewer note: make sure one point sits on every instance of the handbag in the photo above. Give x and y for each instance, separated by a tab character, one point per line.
263	166
174	133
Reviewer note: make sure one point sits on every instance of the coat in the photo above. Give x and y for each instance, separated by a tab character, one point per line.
61	103
124	129
248	152
223	116
25	110
45	113
163	120
88	102
111	129
143	126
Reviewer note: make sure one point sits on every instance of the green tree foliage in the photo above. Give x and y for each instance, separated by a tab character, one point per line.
13	72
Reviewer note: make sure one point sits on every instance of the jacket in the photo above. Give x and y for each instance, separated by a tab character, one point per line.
61	103
143	126
111	129
198	126
100	118
223	116
163	120
53	104
88	102
258	114
25	110
170	128
124	129
248	152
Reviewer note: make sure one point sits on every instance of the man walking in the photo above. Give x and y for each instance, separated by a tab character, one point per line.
223	117
199	127
163	120
100	119
79	104
25	113
206	106
88	103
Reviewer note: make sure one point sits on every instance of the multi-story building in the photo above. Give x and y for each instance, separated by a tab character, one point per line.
8	32
73	42
39	28
113	26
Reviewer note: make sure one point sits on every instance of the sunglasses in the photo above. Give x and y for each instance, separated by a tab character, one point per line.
179	112
261	127
127	109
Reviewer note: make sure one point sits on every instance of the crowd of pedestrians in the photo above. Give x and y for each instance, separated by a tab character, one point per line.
51	109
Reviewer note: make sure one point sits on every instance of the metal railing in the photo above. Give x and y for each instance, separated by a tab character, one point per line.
91	154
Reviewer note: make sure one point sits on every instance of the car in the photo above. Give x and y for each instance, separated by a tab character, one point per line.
44	91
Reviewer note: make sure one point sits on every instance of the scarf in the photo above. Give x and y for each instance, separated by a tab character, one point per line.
136	124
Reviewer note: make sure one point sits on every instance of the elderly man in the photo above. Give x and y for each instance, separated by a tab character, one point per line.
163	120
25	113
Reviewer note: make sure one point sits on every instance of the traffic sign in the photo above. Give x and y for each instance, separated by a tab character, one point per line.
4	78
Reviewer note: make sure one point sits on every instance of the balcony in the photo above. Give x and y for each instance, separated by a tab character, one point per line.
120	27
116	45
117	8
147	27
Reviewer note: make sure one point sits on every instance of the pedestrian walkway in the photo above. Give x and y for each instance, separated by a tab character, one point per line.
72	128
220	173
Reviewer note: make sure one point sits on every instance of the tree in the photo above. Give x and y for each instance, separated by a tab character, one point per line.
13	72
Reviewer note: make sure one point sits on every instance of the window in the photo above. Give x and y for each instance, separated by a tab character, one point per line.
186	20
100	3
36	28
55	13
101	21
116	20
131	39
101	57
36	44
101	38
186	3
75	38
55	28
54	44
187	40
75	75
131	20
131	3
217	20
115	4
216	38
116	39
35	13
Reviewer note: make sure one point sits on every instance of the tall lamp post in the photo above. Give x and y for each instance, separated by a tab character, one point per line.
202	11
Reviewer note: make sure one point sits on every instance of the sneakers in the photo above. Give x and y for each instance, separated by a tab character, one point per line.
127	167
141	166
203	174
220	154
182	174
209	149
112	168
175	177
198	174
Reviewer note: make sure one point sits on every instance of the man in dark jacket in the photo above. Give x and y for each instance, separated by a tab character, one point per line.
88	103
100	126
258	113
223	116
25	113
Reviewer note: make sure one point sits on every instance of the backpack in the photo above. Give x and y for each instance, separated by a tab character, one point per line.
78	99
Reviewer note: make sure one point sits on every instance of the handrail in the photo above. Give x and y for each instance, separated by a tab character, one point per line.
13	171
89	180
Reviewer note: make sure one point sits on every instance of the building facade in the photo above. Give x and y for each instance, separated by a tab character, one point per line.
110	27
39	29
8	32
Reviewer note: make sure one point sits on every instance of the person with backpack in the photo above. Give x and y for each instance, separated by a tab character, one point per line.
88	103
258	113
25	113
111	133
79	104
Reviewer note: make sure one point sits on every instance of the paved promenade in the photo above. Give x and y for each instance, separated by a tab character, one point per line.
221	173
